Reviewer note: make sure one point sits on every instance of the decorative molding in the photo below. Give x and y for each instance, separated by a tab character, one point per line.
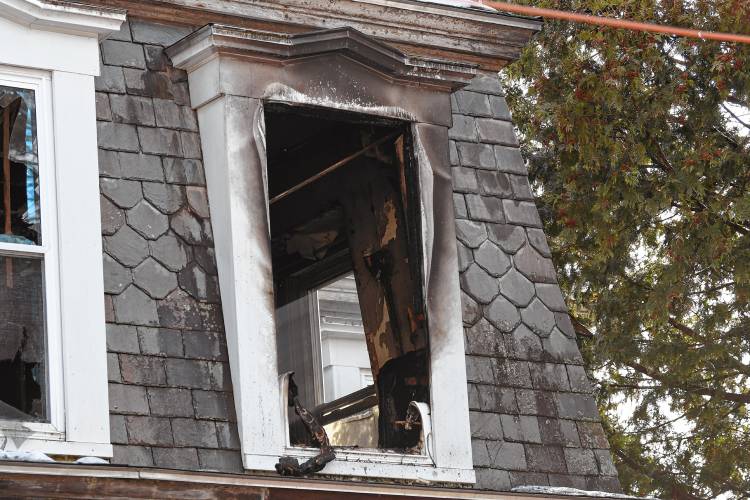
63	16
197	48
296	68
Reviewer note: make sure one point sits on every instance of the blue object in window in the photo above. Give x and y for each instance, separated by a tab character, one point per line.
31	205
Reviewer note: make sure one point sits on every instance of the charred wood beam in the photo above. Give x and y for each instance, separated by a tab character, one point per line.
338	409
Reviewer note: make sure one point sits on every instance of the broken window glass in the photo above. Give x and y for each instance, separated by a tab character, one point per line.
22	328
347	263
345	362
22	339
19	213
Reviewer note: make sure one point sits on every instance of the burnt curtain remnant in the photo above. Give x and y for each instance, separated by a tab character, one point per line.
343	204
22	335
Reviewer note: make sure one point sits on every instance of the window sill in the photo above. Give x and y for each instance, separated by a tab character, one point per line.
371	464
45	438
19	431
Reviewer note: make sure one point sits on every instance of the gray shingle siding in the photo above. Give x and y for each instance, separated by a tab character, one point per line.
533	416
170	394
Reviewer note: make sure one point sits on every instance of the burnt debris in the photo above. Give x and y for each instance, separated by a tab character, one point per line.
289	466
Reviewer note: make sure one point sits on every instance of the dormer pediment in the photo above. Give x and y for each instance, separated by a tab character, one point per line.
287	48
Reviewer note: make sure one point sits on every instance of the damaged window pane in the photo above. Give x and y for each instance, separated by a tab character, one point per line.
345	361
346	258
22	339
22	329
346	365
19	212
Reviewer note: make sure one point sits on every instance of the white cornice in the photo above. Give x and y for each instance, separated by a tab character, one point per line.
205	43
63	16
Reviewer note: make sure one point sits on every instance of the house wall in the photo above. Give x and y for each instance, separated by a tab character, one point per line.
533	418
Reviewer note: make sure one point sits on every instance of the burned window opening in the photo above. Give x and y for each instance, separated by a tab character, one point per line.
343	201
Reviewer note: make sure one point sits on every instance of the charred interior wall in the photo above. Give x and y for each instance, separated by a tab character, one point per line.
533	417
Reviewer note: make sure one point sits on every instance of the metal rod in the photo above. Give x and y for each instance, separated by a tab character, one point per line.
616	23
333	167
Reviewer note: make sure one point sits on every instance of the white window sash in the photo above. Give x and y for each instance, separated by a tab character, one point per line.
40	83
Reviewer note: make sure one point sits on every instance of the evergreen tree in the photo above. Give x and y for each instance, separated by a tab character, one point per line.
639	149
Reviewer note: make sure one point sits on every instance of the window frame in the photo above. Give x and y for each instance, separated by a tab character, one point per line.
370	78
317	333
308	281
40	82
375	463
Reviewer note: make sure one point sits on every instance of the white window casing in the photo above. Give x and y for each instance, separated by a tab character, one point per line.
52	48
232	74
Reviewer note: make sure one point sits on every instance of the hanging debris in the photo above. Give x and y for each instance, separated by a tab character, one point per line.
289	466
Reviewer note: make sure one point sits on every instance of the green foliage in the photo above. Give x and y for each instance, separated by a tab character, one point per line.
644	181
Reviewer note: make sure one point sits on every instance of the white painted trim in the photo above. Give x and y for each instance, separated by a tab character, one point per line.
83	324
371	466
449	398
60	44
234	159
20	249
17	430
61	16
49	445
40	83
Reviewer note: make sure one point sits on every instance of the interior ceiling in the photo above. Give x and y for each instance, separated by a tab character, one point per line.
301	141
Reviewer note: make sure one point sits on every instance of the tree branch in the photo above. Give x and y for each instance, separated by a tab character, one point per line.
734	116
743	398
679	491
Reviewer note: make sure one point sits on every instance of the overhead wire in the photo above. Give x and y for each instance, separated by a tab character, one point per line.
612	22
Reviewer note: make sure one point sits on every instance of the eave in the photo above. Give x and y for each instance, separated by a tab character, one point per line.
487	39
32	480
